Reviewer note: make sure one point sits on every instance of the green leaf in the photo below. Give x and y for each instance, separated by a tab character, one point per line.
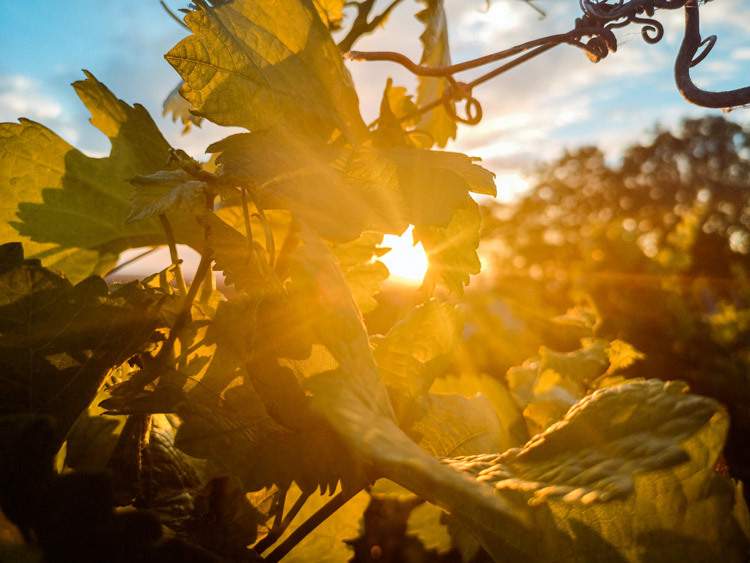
452	250
435	52
362	272
244	264
296	172
331	12
383	190
416	350
58	341
326	542
450	425
425	522
264	63
512	423
165	190
179	107
545	387
647	448
353	400
91	440
69	209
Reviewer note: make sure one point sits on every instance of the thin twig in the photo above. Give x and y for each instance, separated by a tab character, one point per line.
172	242
184	315
361	26
278	531
421	70
174	17
306	527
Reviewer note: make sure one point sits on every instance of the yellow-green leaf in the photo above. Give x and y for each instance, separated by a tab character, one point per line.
163	191
262	63
67	208
179	107
435	52
648	449
452	250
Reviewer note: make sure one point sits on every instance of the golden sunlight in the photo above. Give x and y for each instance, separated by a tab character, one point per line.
406	261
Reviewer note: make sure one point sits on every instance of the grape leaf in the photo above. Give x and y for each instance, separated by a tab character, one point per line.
383	190
263	63
326	542
547	386
165	190
425	522
362	272
248	414
179	107
435	53
513	426
416	350
71	208
452	250
646	447
331	12
450	424
58	341
295	172
353	400
244	264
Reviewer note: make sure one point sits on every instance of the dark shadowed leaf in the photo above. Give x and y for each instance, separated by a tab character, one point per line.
58	341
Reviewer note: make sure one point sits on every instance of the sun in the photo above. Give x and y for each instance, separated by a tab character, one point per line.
406	261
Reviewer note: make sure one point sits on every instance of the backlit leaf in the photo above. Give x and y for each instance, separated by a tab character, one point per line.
263	63
69	209
179	107
331	12
435	52
425	522
647	448
416	350
326	542
452	250
362	272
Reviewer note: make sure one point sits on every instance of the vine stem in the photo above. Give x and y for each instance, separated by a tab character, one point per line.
278	529
184	314
171	241
306	527
246	217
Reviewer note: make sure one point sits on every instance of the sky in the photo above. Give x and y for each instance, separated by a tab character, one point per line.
532	113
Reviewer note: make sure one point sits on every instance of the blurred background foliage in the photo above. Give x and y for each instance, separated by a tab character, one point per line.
653	249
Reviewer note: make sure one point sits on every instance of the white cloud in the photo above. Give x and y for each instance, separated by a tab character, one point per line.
741	54
20	97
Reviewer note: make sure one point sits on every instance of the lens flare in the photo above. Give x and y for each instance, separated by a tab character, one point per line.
406	261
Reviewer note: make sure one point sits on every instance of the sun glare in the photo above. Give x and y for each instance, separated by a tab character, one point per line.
406	262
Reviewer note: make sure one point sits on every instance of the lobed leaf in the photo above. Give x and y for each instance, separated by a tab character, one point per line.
452	250
58	341
263	63
180	109
165	190
649	449
416	350
435	53
69	209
